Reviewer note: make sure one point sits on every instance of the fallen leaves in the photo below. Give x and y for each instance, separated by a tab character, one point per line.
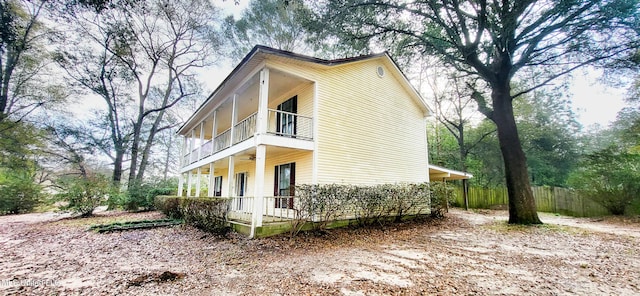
464	254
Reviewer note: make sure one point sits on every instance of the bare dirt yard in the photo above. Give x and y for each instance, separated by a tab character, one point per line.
468	253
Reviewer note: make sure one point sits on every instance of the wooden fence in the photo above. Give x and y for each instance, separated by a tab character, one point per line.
548	199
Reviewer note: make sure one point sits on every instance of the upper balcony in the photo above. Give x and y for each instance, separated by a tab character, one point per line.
276	112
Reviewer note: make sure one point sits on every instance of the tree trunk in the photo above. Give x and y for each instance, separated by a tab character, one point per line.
135	146
165	171
147	147
522	205
117	167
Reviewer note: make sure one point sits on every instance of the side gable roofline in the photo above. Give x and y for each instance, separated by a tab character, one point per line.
288	54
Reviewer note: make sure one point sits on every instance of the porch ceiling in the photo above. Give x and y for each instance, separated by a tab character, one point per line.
438	173
245	157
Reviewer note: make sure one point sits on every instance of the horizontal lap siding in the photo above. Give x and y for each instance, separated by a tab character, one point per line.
305	99
304	165
370	130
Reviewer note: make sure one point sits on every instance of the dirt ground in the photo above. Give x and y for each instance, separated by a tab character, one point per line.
468	253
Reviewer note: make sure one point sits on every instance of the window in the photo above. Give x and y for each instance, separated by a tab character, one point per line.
284	183
217	186
286	120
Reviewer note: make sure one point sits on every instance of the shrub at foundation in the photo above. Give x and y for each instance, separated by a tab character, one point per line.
208	214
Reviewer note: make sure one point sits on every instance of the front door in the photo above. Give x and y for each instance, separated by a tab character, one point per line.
286	120
285	179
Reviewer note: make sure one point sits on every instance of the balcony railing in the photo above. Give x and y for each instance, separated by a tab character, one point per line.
289	124
207	149
244	129
280	123
222	141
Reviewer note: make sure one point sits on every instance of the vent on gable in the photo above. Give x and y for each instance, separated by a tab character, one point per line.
380	71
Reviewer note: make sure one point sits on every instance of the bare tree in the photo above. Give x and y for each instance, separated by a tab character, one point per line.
151	50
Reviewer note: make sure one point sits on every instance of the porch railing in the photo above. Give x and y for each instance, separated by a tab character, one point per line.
289	124
207	149
244	129
222	141
241	208
275	208
280	123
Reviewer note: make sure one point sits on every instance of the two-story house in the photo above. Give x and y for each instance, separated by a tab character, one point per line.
281	119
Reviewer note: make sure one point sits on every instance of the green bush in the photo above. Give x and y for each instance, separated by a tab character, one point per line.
610	177
442	194
141	196
169	205
208	214
367	204
18	193
84	194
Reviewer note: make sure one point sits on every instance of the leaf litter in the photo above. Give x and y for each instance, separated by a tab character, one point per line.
467	253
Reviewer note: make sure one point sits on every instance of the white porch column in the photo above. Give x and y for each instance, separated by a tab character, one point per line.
201	140
182	153
230	176
189	181
234	118
210	187
258	199
214	128
180	184
198	182
193	145
263	102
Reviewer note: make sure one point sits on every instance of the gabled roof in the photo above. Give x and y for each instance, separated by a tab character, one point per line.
264	50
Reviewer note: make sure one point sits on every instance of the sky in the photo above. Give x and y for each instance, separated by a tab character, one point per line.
593	101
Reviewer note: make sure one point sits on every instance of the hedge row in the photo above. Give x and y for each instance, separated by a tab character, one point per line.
370	204
208	214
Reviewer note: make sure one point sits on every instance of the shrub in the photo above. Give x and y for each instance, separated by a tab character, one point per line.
84	194
610	177
367	204
18	193
442	194
141	196
169	205
208	214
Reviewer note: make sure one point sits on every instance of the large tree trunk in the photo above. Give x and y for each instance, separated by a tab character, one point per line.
522	205
149	143
135	146
117	167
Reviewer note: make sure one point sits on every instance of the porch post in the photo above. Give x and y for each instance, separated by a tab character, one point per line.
182	153
201	140
230	175
234	118
189	180
193	145
180	183
210	187
199	174
263	103
258	202
214	127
